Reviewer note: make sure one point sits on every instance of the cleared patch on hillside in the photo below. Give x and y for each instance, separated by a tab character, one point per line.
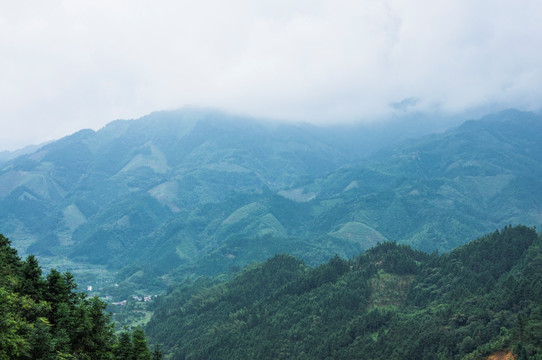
359	233
37	183
269	225
489	186
353	185
186	249
299	195
166	193
257	222
156	161
389	290
123	222
242	213
502	355
27	196
73	217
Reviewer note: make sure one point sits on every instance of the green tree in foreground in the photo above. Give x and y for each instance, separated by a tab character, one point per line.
46	318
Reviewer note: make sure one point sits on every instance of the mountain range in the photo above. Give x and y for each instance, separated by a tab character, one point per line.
202	192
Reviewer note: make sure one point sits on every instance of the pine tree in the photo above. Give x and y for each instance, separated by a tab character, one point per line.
157	353
46	318
32	283
140	345
124	350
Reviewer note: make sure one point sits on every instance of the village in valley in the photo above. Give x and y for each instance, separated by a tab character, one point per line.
147	298
131	312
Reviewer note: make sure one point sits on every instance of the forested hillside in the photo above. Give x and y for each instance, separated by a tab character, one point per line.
143	204
45	318
435	192
392	302
438	191
102	198
200	192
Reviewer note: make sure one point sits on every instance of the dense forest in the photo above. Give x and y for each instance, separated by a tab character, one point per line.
46	318
391	302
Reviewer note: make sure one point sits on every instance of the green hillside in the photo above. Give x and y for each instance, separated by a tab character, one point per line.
390	302
437	191
432	193
199	192
96	198
175	196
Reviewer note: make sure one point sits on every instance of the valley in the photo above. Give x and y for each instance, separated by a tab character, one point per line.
179	205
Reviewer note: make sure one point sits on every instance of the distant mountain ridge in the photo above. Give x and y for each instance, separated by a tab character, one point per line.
481	175
121	182
10	155
201	192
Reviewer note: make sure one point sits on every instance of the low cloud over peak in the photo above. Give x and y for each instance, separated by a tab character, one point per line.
71	65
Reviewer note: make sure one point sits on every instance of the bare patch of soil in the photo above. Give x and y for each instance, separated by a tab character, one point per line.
502	355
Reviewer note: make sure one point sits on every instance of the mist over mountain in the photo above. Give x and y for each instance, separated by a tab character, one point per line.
201	192
270	180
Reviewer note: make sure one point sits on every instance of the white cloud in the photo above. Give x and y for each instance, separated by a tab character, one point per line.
67	65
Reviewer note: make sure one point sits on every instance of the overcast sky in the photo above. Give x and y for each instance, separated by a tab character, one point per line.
68	65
